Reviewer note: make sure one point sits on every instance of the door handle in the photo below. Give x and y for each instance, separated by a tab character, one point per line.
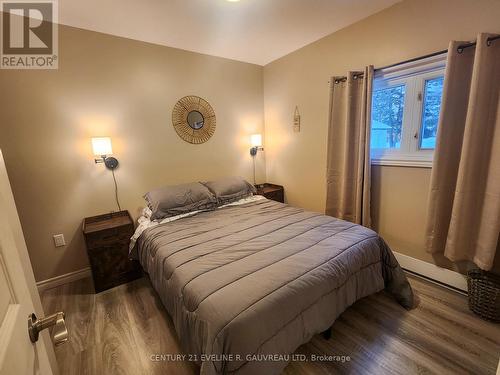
59	332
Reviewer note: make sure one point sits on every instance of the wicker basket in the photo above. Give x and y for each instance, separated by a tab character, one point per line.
484	294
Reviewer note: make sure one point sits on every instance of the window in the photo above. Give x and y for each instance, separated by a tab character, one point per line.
430	113
405	112
387	117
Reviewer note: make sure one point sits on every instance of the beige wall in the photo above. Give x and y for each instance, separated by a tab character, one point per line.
125	89
298	160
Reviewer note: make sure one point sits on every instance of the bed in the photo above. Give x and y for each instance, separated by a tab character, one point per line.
246	284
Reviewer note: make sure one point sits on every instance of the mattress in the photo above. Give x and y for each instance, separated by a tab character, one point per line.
247	284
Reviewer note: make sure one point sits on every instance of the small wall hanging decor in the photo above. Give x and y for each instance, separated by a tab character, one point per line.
193	119
296	120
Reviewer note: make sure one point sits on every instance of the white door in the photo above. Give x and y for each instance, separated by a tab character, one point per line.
18	297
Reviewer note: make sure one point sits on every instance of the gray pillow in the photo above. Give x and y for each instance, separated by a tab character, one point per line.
230	189
179	199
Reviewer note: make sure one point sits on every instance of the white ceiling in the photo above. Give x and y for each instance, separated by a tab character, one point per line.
255	31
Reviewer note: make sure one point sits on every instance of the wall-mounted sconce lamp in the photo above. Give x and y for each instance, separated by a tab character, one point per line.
256	142
102	148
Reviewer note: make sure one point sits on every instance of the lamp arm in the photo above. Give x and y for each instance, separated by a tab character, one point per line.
110	162
102	159
254	149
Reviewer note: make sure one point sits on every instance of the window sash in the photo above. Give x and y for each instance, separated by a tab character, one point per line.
413	76
430	77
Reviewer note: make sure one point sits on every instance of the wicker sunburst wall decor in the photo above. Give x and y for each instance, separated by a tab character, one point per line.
193	119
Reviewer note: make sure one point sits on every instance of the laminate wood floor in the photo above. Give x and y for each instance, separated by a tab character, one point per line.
117	331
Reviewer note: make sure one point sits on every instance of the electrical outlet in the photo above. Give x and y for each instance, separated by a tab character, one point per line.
59	240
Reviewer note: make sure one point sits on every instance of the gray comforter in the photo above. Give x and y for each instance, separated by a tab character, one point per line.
245	282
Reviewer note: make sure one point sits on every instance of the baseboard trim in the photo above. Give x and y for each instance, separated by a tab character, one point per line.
420	267
63	279
442	275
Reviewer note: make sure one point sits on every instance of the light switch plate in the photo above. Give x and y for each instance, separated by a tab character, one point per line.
59	240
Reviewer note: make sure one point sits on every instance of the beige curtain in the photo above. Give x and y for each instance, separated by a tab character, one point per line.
348	161
464	205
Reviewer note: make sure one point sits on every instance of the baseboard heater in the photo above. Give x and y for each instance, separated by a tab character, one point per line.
433	273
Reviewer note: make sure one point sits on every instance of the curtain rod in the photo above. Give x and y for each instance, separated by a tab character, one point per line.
460	49
413	59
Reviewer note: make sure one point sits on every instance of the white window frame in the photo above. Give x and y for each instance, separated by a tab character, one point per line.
413	75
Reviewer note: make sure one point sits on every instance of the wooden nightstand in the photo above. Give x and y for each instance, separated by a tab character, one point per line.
107	238
271	191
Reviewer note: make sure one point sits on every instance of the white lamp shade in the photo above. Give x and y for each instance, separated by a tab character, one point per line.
102	146
256	140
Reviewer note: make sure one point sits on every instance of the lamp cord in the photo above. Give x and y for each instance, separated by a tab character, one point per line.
254	182
116	191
